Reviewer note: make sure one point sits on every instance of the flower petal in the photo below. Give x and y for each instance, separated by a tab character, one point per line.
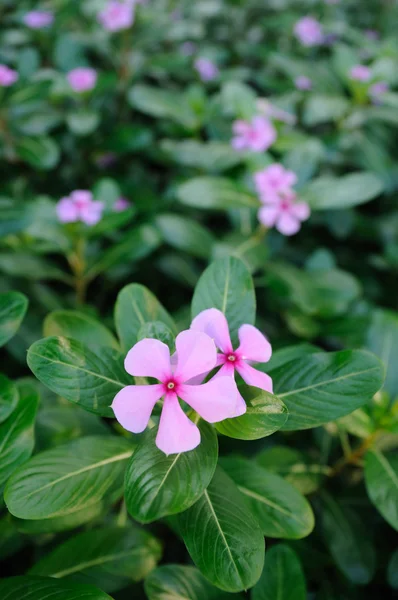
149	358
196	354
133	405
176	432
67	211
254	377
92	213
215	400
268	215
288	224
300	210
253	344
213	322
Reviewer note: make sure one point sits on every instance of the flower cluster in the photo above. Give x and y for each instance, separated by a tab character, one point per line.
80	206
257	135
181	376
280	207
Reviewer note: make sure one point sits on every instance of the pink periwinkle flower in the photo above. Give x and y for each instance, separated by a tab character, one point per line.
303	83
214	401
7	76
360	73
272	181
80	206
309	31
117	15
206	68
82	79
257	135
253	347
38	19
121	204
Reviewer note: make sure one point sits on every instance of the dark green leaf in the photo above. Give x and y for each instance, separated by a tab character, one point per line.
214	193
10	538
8	397
186	235
382	339
40	588
177	582
392	571
80	327
381	478
13	306
39	152
282	577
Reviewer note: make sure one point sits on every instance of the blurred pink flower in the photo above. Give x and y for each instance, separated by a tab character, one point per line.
256	135
253	347
377	91
372	35
38	19
188	48
360	73
121	204
117	15
303	83
272	181
206	68
7	76
309	31
80	206
82	79
214	401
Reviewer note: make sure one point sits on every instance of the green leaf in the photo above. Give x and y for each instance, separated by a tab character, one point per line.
64	523
8	397
381	478
10	538
157	485
348	541
186	235
282	512
74	372
163	104
322	108
214	193
13	306
135	306
17	435
350	190
212	156
285	355
39	152
157	331
80	327
265	414
177	582
392	572
227	285
83	122
323	387
382	339
222	537
39	588
110	557
282	577
69	478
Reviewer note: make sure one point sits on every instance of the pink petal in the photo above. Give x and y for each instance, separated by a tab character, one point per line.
133	405
213	322
268	215
67	211
254	377
228	369
92	213
238	143
149	358
240	127
176	432
196	354
82	196
253	344
288	224
300	210
215	400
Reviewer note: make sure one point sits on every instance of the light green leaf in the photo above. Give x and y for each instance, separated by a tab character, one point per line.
8	397
344	192
222	537
83	122
212	156
110	557
163	104
214	193
13	306
281	511
185	234
135	306
39	152
39	588
227	285
69	478
73	371
177	582
282	577
158	331
381	478
322	108
80	327
382	339
286	355
157	485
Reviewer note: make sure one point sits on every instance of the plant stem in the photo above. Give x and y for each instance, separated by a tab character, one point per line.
354	456
78	265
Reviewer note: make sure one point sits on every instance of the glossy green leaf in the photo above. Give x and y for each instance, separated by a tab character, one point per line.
381	478
41	588
285	355
17	435
67	522
80	327
282	577
71	370
109	557
158	331
177	582
157	485
214	193
135	306
264	415
222	537
344	192
323	387
347	538
185	234
8	397
227	285
13	306
281	511
382	339
69	478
